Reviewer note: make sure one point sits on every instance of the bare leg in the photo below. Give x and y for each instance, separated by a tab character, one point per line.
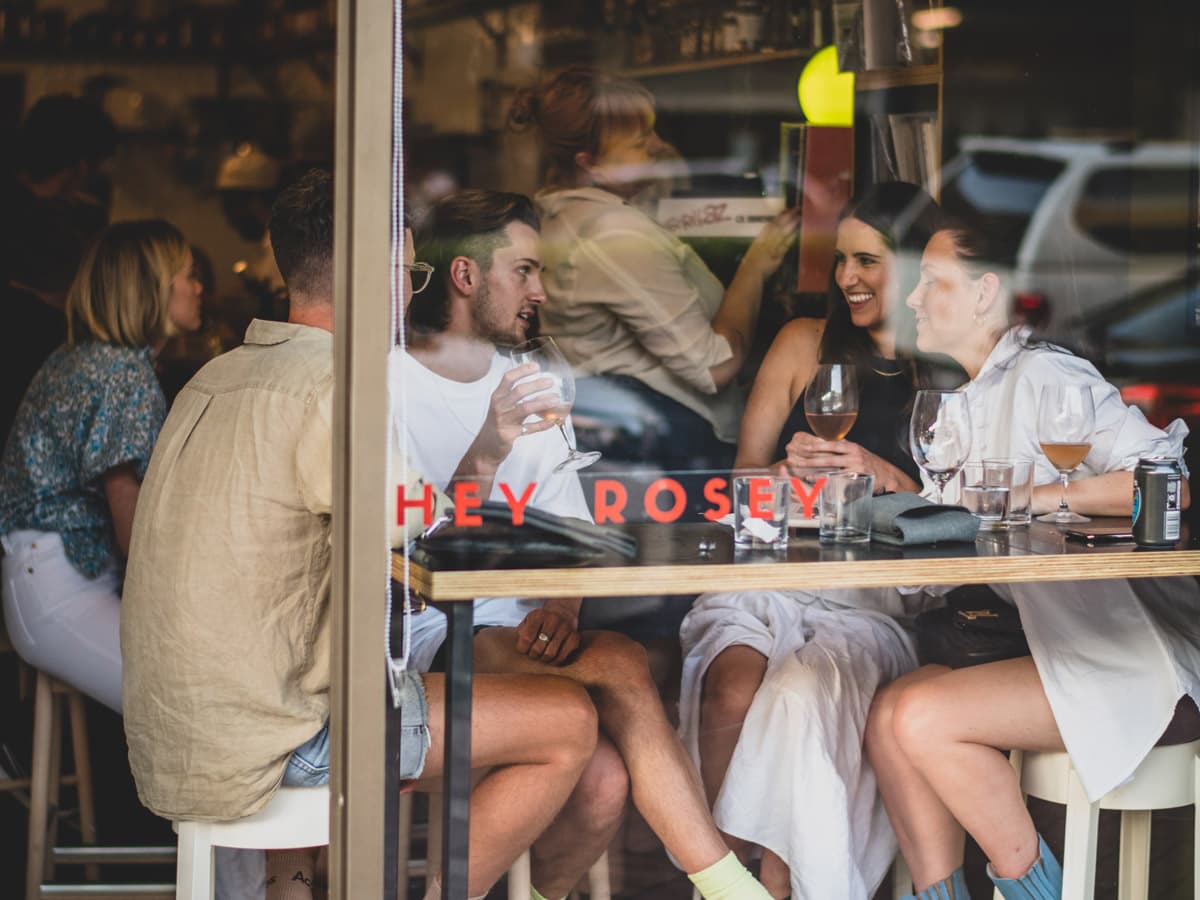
727	691
948	726
930	837
531	775
585	827
666	788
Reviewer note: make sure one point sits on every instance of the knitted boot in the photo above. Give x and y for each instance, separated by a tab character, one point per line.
1043	881
952	888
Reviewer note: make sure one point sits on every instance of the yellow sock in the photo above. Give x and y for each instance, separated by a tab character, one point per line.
728	879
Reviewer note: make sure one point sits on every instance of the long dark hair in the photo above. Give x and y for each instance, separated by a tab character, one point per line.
906	218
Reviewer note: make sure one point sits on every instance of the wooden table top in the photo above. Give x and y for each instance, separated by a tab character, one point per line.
669	562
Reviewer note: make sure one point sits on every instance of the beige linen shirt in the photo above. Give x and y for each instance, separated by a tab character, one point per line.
225	619
627	297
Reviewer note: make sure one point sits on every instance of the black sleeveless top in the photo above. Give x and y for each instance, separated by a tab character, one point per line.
884	408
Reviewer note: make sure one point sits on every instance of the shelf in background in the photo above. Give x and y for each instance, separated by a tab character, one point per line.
716	62
910	76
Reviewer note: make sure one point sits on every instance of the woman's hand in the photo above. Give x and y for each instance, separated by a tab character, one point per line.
807	451
769	247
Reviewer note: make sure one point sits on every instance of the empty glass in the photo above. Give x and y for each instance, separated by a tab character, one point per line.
940	434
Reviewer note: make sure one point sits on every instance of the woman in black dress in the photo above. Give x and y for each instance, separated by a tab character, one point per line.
776	684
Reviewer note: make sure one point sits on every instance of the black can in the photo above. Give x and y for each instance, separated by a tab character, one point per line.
1157	483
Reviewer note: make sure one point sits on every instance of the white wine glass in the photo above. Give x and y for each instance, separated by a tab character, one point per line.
831	401
543	352
1066	420
940	434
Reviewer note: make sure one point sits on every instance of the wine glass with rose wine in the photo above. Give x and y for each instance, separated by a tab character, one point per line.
549	359
1066	420
940	434
831	401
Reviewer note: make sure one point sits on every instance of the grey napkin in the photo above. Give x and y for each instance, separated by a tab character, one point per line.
911	519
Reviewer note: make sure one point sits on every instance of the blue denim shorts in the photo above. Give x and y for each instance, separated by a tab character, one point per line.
308	766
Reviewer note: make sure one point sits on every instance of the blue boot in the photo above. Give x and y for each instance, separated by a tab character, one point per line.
952	888
1043	881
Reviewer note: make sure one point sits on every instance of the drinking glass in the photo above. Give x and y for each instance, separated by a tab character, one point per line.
831	401
940	434
986	491
550	360
1066	420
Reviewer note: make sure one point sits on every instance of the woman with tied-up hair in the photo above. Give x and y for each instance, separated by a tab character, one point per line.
1114	664
630	304
78	449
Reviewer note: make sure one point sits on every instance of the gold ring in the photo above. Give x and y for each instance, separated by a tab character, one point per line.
542	636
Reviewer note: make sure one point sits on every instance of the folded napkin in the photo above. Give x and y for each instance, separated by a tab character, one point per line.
911	519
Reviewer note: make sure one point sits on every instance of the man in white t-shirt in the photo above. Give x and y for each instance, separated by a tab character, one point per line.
467	414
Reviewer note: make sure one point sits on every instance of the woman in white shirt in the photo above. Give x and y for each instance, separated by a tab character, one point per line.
627	301
1108	666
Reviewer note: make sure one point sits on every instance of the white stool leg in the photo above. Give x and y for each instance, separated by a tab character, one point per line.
1134	868
599	887
1196	829
519	879
1079	847
194	865
902	883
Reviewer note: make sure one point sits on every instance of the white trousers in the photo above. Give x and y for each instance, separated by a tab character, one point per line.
69	626
60	621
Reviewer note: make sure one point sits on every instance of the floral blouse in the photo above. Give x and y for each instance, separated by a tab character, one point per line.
89	408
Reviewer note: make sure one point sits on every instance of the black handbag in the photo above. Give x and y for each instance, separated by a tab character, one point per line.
974	627
542	540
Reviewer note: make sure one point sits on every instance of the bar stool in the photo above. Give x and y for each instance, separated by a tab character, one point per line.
46	778
295	817
1169	777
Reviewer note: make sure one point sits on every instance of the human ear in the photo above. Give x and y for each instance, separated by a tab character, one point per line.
463	274
989	293
585	162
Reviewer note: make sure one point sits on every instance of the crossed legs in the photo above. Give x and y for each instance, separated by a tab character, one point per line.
537	735
932	737
665	787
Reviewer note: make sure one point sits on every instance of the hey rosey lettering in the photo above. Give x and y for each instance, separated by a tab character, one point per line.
664	500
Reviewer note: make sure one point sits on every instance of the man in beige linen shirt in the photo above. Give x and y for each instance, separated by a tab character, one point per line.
225	624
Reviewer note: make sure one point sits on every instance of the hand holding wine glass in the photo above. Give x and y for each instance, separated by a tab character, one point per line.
831	401
940	434
1066	420
552	364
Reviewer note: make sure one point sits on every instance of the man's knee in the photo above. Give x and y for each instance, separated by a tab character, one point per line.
603	787
576	722
619	661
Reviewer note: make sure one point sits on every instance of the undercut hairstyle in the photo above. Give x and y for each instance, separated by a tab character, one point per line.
121	294
301	232
468	223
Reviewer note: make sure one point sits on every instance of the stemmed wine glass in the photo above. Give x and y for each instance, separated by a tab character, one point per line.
1066	420
940	434
550	360
831	401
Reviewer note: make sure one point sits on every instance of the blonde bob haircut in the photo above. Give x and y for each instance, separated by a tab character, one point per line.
123	289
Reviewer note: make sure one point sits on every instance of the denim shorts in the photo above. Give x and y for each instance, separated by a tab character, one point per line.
308	766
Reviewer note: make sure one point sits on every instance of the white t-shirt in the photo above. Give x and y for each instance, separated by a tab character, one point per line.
437	419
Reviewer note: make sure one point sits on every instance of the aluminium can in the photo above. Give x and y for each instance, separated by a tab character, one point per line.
1157	483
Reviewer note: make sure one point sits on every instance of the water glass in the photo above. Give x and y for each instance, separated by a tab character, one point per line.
845	515
760	511
1020	496
985	491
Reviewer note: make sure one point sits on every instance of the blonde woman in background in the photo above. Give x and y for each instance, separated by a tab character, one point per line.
78	450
